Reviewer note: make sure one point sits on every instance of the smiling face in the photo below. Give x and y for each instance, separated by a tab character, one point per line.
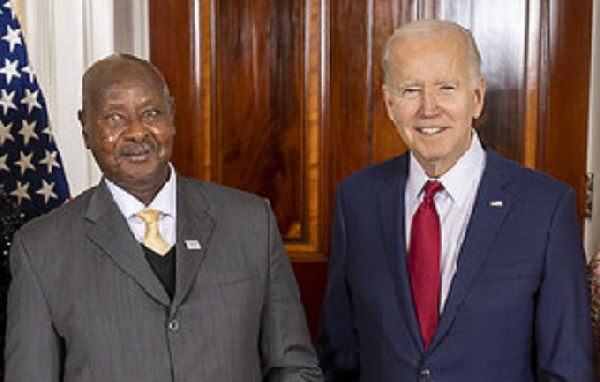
127	123
432	96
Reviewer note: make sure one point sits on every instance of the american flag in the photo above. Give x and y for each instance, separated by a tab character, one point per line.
31	171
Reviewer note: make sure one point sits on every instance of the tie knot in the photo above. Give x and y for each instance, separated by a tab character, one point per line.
152	239
149	215
432	187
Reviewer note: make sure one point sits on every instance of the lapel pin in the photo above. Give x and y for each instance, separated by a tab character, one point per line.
193	245
496	203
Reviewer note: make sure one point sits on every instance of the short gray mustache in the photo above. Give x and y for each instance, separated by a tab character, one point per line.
136	149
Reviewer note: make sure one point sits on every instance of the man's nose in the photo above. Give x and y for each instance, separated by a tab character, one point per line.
429	102
136	130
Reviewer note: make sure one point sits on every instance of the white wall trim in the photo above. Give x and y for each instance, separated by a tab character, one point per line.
64	37
592	225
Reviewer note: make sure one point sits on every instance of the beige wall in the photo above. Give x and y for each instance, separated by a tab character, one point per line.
60	51
19	7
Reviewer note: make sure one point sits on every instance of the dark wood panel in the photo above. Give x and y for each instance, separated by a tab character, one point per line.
350	93
283	97
564	149
388	15
312	277
259	103
504	58
173	49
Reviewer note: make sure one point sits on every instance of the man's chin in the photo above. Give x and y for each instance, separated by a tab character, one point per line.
142	172
137	159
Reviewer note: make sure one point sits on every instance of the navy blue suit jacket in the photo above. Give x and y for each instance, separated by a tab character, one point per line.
518	306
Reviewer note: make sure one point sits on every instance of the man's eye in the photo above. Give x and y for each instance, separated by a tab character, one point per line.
113	117
448	87
411	91
115	120
150	115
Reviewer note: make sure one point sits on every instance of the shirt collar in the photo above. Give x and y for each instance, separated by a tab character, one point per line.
455	179
165	199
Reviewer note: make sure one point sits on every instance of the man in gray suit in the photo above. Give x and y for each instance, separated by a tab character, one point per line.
101	293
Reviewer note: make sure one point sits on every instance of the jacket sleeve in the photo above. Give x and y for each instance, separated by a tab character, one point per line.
337	344
563	337
286	349
33	349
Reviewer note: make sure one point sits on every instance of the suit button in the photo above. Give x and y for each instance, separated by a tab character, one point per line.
425	375
173	325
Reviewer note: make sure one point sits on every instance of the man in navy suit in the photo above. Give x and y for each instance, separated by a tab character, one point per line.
508	285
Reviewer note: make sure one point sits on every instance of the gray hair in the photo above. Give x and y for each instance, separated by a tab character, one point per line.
95	74
431	27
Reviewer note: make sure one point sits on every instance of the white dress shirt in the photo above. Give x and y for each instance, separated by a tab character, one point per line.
454	205
165	201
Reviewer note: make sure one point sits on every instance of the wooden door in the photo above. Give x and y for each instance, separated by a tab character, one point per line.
283	97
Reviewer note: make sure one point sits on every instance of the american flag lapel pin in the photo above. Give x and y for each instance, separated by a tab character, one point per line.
193	245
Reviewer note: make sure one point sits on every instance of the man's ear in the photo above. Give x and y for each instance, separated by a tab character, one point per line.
84	134
387	99
479	97
172	115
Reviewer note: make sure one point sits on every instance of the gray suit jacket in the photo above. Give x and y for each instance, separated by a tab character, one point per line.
84	304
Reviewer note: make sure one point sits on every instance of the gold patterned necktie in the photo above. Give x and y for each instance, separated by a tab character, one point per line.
152	239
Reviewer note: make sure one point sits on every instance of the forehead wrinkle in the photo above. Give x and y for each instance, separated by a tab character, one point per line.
108	72
410	72
126	97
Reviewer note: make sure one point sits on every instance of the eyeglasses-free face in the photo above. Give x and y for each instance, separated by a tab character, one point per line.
129	129
432	97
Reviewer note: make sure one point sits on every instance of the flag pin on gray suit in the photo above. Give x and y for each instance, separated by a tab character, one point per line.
193	245
496	203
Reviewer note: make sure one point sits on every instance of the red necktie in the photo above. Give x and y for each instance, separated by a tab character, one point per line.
424	262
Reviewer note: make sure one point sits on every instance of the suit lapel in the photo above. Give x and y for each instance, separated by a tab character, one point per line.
491	207
106	227
194	228
391	209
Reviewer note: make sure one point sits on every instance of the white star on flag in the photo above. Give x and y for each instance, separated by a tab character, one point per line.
5	133
20	192
8	5
29	72
6	100
47	191
25	162
31	171
3	165
13	37
30	99
50	161
48	132
28	131
10	70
